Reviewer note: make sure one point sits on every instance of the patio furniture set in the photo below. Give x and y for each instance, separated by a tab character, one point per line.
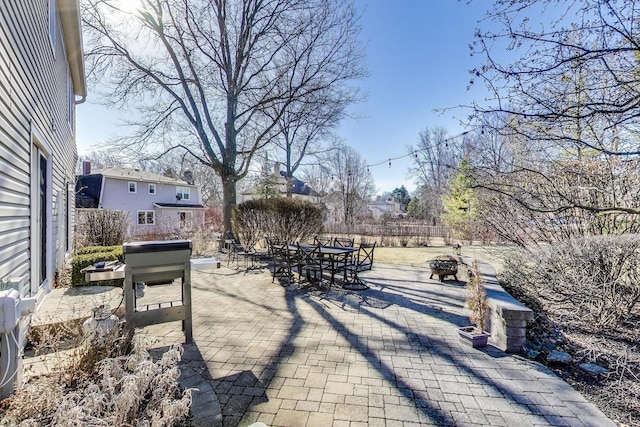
325	260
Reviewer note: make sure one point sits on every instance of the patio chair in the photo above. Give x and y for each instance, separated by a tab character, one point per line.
360	262
323	241
343	242
237	250
271	240
284	258
365	256
309	260
337	264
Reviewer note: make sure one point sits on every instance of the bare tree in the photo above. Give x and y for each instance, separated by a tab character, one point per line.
213	77
352	180
305	131
559	134
318	177
435	161
101	159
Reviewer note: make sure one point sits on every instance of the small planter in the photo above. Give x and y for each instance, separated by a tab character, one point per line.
473	336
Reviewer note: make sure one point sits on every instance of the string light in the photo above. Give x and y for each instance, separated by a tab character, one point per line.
415	152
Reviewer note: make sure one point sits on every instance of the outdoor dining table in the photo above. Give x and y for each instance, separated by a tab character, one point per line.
336	257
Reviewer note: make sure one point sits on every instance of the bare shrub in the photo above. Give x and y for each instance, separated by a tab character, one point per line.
95	388
213	219
477	298
403	237
447	236
424	237
288	219
592	282
102	227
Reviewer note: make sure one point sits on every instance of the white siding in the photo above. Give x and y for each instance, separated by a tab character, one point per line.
33	99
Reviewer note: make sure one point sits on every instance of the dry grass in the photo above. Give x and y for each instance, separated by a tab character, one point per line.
418	256
103	384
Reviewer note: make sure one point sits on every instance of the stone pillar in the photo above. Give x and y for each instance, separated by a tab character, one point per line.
508	324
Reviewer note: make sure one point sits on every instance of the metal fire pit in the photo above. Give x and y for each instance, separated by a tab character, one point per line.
158	262
442	266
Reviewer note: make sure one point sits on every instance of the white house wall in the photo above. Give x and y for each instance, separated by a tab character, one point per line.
33	101
34	112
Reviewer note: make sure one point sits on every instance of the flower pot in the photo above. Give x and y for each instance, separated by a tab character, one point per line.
472	336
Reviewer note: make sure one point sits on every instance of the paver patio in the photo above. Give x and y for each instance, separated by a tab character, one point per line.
388	356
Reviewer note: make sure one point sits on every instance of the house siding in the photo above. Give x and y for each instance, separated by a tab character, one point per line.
33	97
33	105
115	195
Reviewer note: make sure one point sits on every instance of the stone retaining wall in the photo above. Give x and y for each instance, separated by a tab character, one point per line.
508	318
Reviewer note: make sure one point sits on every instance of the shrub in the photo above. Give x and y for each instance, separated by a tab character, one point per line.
593	282
97	249
477	298
113	387
91	257
288	219
102	227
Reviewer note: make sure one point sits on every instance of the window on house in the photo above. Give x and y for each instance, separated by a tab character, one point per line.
52	24
183	193
152	189
133	187
146	217
185	219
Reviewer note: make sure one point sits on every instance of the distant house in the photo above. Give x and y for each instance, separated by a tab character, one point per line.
376	209
41	81
380	208
299	191
155	203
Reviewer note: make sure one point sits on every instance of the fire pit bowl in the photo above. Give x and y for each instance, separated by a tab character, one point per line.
442	266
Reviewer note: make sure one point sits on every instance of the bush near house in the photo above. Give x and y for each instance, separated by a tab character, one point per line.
91	255
102	227
288	219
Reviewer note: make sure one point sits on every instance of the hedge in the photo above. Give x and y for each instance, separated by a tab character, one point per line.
91	255
95	249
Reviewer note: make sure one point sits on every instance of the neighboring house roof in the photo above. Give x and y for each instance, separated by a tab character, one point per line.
182	205
69	11
138	175
299	187
88	189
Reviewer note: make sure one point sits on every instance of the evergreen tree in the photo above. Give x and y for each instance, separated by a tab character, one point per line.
459	203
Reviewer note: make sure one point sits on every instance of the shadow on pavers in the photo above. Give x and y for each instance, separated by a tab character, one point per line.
194	375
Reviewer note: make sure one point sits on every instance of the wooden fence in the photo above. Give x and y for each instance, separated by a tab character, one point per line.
393	233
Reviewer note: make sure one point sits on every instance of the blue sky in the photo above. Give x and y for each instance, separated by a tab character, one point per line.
418	58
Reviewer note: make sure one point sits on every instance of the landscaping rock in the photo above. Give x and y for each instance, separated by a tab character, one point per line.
559	357
593	369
